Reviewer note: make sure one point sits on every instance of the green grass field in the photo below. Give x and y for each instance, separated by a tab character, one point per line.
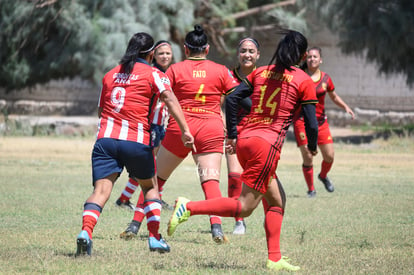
365	227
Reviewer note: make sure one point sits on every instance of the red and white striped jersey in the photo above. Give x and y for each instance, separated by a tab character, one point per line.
128	102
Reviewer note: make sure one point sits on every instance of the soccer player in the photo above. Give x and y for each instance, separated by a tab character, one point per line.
200	86
248	52
324	85
276	91
163	58
128	96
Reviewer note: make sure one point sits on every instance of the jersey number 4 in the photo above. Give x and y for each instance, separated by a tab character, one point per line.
198	95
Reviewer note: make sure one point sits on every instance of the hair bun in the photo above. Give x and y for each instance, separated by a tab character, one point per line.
198	30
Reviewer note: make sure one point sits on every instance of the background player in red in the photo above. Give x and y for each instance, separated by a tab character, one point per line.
200	86
324	85
276	91
128	96
163	58
248	52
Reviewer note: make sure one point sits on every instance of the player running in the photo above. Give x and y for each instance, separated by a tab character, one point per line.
276	91
324	85
248	53
200	86
128	96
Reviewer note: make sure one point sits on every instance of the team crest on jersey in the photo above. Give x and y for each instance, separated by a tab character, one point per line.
165	80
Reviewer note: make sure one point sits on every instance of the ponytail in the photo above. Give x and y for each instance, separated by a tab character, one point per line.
140	45
196	40
290	50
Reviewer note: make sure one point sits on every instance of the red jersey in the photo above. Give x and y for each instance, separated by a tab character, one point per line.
199	84
276	97
127	101
323	85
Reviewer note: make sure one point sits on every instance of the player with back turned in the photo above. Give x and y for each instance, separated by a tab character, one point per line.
127	99
200	86
277	92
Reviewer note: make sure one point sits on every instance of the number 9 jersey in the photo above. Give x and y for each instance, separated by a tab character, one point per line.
127	100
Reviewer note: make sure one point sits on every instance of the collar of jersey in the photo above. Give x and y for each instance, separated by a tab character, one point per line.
142	60
196	58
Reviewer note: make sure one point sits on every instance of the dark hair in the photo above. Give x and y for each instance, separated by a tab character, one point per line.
290	49
251	39
139	46
315	48
304	66
196	40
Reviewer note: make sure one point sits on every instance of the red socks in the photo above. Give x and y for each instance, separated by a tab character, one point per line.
152	209
130	188
273	226
91	213
211	190
325	168
234	187
308	174
224	207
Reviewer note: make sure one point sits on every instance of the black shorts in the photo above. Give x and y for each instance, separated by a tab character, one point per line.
112	155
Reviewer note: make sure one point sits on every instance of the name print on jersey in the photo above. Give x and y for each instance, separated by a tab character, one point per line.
199	74
276	76
123	78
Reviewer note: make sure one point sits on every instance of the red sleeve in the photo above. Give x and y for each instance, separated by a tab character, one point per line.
101	94
330	86
229	82
308	92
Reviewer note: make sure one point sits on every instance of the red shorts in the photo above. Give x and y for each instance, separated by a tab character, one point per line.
324	134
259	161
208	133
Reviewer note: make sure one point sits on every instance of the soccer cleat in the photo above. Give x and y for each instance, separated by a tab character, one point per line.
84	244
312	194
217	234
282	264
328	184
158	245
125	204
239	228
180	214
166	206
131	231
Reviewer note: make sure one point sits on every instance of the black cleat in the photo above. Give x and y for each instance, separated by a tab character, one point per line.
328	184
166	206
125	204
217	234
312	194
131	231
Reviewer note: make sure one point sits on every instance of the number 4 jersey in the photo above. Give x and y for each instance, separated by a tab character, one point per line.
127	101
199	84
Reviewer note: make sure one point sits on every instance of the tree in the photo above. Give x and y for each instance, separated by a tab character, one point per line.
380	30
42	40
